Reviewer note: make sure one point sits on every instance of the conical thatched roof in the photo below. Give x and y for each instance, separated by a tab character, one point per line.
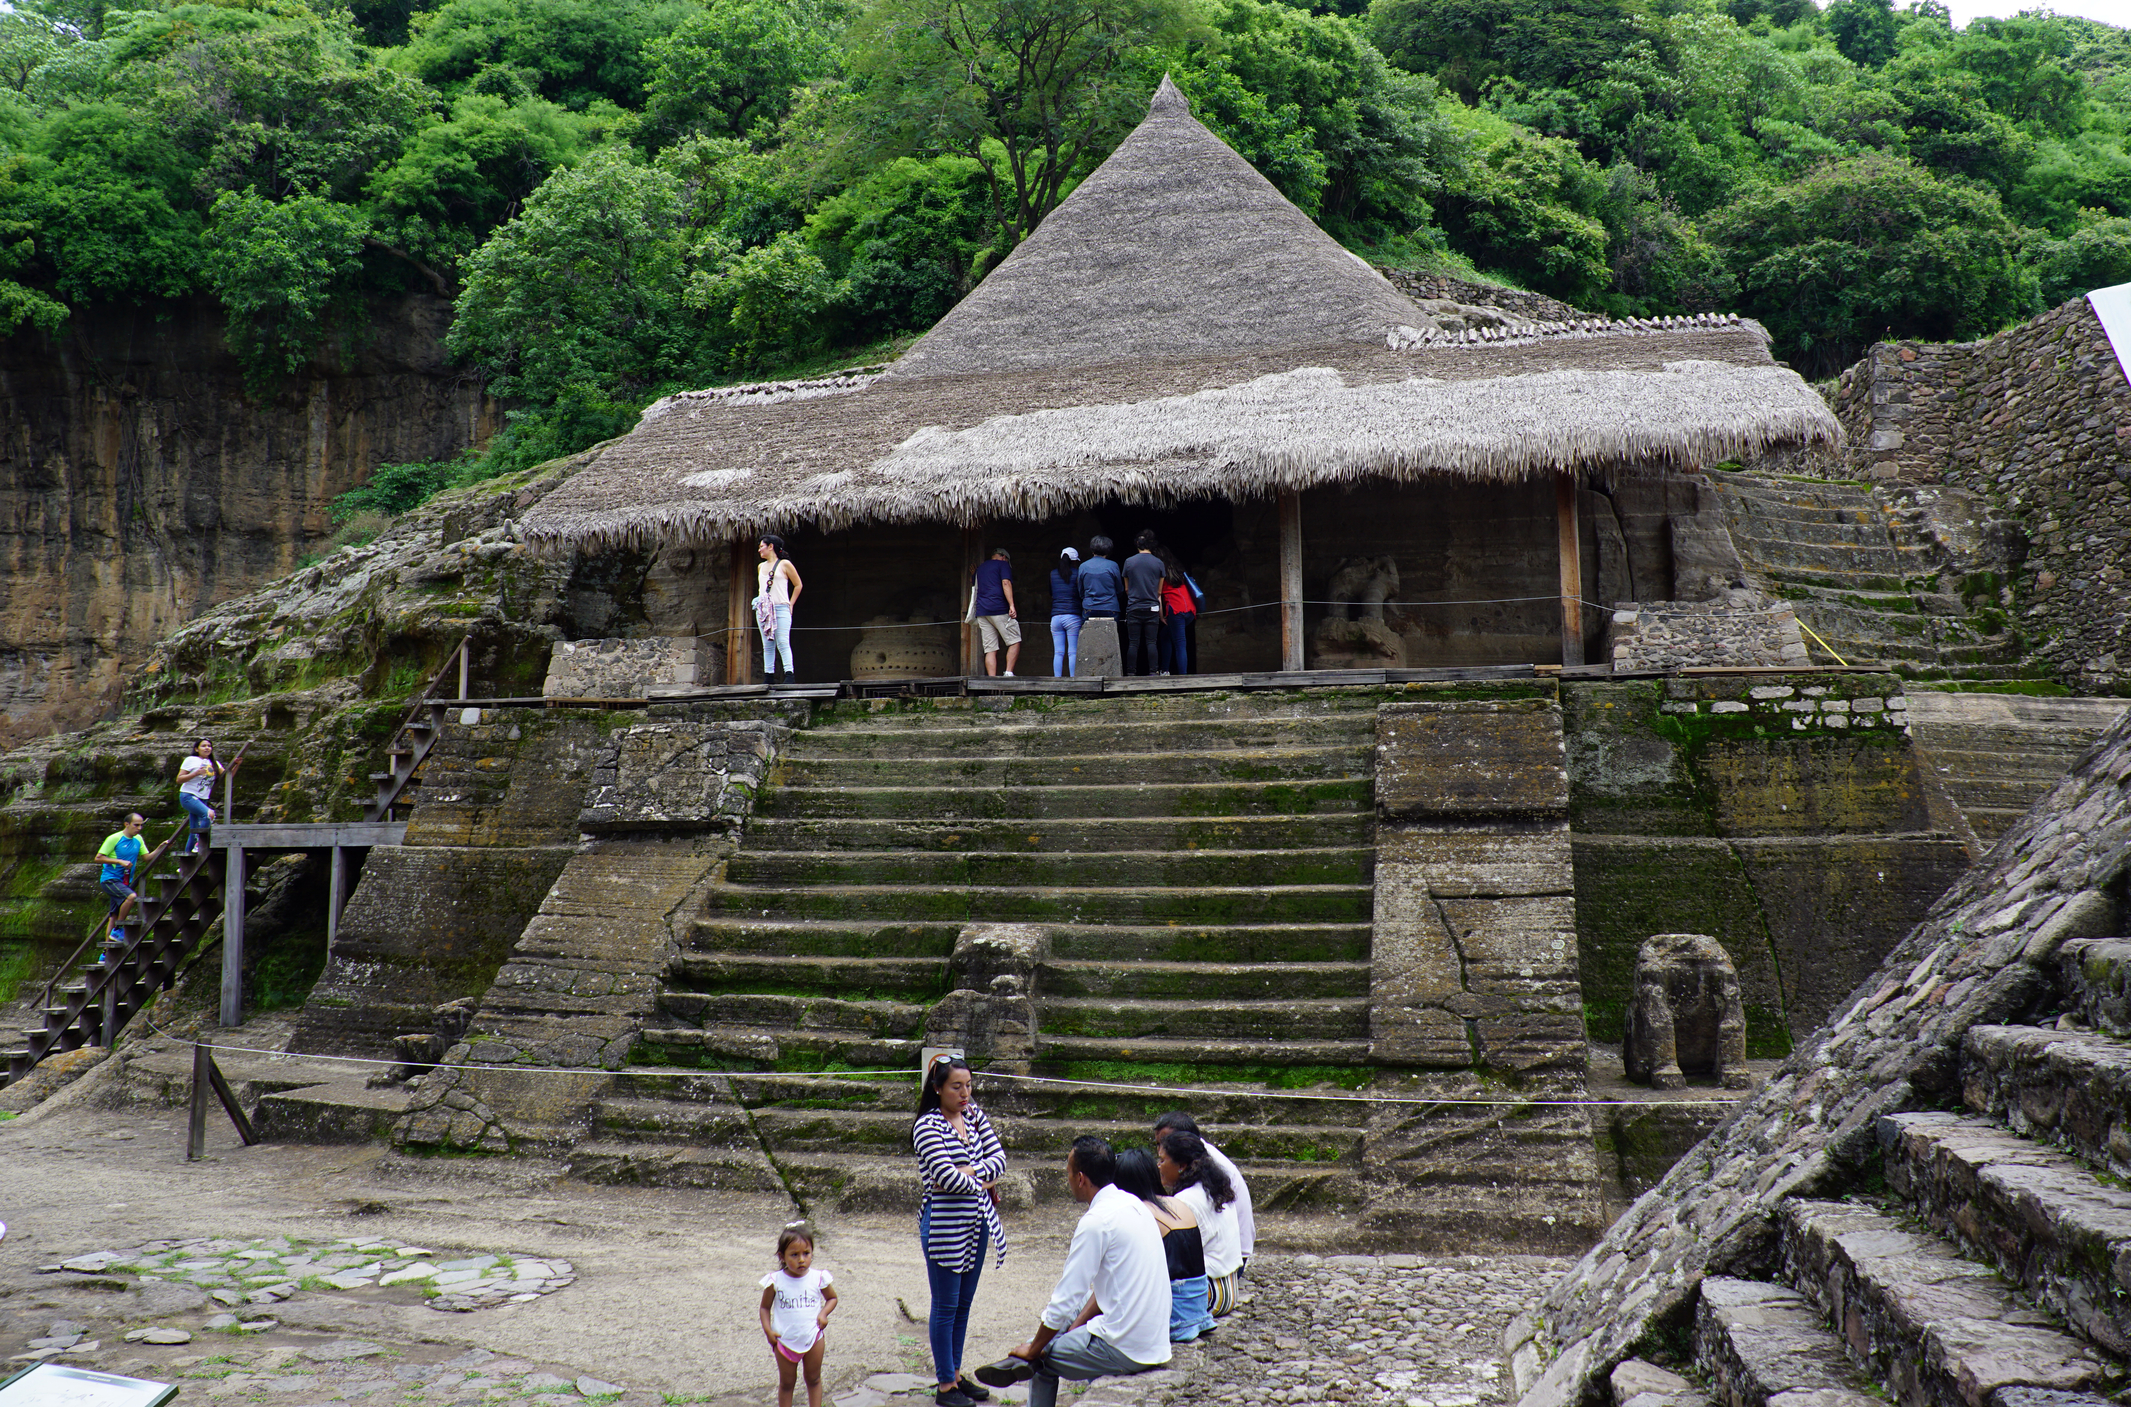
1178	329
1174	247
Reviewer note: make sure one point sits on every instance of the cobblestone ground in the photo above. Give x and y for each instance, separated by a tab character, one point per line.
1415	1331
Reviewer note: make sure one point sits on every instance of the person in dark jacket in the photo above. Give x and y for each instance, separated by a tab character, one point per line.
1100	583
1143	607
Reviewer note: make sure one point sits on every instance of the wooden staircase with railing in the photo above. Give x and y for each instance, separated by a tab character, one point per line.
127	972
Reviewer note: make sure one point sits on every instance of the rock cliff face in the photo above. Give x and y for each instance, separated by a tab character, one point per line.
140	485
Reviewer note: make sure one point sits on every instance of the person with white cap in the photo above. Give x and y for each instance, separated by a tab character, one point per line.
1065	613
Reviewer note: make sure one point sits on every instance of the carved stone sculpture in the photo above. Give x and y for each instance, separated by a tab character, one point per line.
1362	585
1685	1016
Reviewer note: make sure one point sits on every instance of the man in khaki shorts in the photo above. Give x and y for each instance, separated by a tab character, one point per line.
998	623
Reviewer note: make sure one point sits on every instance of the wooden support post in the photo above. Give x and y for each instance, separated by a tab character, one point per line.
336	893
739	619
1291	582
462	669
109	1023
1569	531
233	939
196	1120
972	558
207	1078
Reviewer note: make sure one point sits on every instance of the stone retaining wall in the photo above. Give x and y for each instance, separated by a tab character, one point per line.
1538	306
1743	630
1982	955
2035	424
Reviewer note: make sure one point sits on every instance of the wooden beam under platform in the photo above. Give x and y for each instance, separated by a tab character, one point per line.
1569	531
1291	583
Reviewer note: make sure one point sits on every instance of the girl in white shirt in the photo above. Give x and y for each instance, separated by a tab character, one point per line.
797	1301
197	775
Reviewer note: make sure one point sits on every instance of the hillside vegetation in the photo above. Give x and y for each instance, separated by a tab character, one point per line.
624	197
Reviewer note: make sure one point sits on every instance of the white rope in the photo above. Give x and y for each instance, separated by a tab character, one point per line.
674	1073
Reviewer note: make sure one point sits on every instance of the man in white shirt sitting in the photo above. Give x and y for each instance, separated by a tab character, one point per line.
1109	1315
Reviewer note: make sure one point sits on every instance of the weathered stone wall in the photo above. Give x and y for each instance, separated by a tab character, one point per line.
632	669
2034	425
661	806
1741	630
140	484
1983	954
494	822
1473	980
1487	295
1786	816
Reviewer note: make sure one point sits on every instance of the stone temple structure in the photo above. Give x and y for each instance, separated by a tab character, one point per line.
1367	895
1178	346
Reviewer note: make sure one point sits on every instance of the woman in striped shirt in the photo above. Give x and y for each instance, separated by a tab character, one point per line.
959	1159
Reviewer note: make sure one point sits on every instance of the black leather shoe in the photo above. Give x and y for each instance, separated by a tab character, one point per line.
971	1391
1006	1372
954	1397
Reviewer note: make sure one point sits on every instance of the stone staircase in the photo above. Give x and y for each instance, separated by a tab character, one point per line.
1861	575
1995	1268
1201	868
1992	756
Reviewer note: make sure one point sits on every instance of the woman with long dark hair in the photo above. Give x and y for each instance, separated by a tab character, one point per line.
959	1160
1197	1181
778	587
1139	1174
1180	615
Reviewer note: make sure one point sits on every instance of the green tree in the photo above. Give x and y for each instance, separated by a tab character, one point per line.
578	53
1865	31
1524	205
458	179
277	100
1871	247
279	268
2098	255
905	244
732	68
1024	88
1466	44
111	200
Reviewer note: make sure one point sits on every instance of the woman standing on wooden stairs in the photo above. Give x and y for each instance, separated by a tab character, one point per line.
197	776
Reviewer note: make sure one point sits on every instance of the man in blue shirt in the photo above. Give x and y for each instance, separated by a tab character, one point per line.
998	623
1101	583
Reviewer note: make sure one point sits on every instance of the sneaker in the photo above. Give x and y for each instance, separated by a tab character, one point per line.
954	1397
1006	1372
1008	675
971	1391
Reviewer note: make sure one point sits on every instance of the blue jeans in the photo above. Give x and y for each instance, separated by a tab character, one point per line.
1065	645
954	1292
202	814
1188	1314
1176	642
777	640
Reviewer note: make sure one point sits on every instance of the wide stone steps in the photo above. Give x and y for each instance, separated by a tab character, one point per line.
1241	943
976	769
1093	800
1218	1106
1295	903
1055	868
1760	1343
1079	835
1139	1019
1205	981
1056	737
980	714
1202	867
2070	1088
1939	1330
2047	1223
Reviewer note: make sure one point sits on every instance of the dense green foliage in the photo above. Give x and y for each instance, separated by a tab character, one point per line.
624	197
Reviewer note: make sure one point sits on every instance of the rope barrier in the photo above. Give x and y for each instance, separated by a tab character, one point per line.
912	1073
